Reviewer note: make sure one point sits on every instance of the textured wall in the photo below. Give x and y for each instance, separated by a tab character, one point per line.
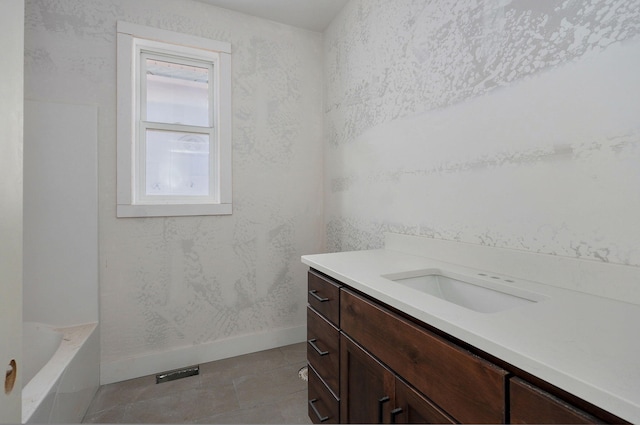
167	283
503	123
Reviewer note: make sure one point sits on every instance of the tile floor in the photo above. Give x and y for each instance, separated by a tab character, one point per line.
255	388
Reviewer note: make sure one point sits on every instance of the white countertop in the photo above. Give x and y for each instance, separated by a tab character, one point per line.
584	344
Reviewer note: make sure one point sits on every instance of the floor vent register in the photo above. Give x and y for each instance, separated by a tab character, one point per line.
172	375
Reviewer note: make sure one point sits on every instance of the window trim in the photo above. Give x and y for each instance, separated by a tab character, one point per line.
129	38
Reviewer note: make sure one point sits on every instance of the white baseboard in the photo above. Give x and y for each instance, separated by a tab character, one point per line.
148	364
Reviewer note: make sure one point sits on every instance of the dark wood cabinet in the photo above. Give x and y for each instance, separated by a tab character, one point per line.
467	387
372	393
366	385
323	348
324	296
372	364
414	408
530	404
323	406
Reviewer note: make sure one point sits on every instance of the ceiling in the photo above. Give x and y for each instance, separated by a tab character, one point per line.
314	15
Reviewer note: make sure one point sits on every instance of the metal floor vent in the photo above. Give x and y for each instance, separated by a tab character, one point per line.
172	375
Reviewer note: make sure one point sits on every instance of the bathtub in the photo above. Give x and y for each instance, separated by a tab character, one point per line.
60	372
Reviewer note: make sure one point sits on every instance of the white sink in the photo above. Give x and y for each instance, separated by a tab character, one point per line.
484	293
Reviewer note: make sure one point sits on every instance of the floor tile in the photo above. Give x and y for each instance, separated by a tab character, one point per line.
118	393
229	369
183	407
154	390
269	385
295	353
260	387
290	410
112	415
294	408
138	389
260	414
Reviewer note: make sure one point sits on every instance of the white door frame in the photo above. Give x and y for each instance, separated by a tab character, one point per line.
11	130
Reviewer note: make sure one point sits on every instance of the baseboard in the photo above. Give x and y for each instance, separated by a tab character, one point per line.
148	364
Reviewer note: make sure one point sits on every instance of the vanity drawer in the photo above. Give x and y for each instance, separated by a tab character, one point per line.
323	349
323	406
530	404
324	296
469	388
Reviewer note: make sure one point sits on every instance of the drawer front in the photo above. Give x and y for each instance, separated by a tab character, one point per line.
324	407
323	349
530	404
467	387
324	297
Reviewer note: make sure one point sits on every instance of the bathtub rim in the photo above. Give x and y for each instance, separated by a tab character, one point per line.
42	384
33	329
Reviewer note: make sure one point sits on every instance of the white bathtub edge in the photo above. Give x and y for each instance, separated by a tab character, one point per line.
148	364
48	378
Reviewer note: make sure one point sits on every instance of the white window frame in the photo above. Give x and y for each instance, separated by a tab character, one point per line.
132	42
145	49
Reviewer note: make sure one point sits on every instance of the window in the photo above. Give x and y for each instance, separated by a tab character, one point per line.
174	124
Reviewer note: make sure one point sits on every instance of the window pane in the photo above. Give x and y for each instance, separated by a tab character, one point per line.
177	163
177	93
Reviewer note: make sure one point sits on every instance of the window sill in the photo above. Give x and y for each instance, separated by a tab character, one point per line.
125	211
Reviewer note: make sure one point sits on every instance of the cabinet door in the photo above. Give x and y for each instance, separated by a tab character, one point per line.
366	386
414	408
530	404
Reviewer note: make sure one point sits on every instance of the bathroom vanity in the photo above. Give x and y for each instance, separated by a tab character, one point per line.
382	351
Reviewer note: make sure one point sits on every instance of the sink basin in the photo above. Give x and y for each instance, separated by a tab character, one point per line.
483	293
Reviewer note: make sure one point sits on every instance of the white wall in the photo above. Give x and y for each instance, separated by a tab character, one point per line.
177	291
502	123
60	214
11	116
